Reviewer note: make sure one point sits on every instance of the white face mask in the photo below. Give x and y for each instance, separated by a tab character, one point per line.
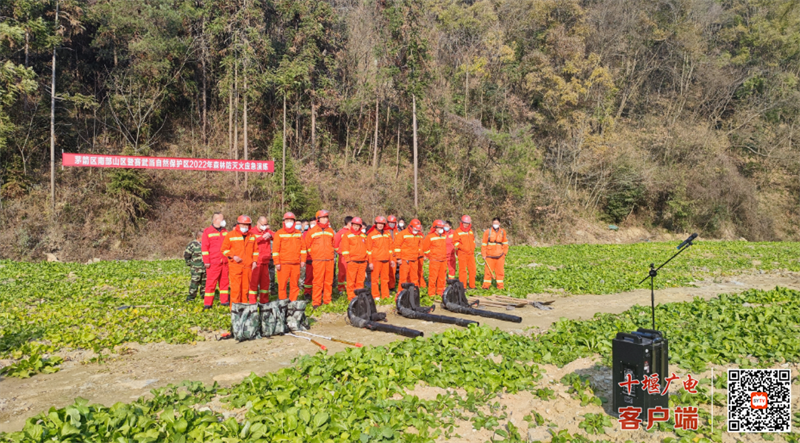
447	229
402	225
222	224
288	224
391	225
244	229
363	230
298	226
262	227
312	225
496	226
439	231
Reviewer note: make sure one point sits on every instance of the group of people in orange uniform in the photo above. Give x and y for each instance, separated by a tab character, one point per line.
239	260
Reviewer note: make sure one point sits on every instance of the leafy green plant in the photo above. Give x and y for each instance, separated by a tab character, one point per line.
31	365
545	394
595	423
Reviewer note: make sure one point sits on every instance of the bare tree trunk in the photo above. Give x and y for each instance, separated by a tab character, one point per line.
27	46
205	89
245	128
236	118
53	125
283	169
230	122
466	95
313	127
375	144
297	128
397	172
416	151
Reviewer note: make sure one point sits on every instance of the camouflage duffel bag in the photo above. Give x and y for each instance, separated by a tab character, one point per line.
269	313
245	322
280	317
296	316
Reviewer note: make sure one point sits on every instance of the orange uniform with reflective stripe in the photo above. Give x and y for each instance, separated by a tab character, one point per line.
319	243
465	251
287	247
494	248
495	243
243	246
353	247
379	246
407	245
435	247
353	250
217	272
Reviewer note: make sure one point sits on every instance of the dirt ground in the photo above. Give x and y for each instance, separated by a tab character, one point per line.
135	372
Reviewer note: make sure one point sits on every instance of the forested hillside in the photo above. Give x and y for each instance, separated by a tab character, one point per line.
670	115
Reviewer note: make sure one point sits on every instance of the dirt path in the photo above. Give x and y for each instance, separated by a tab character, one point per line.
127	377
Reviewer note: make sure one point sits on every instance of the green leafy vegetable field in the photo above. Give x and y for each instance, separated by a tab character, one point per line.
46	307
361	394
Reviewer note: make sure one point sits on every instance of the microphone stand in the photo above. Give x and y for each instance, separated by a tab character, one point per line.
653	274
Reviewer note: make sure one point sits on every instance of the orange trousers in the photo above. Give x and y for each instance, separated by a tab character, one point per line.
239	276
356	273
495	268
341	276
437	278
289	274
259	283
466	264
420	275
409	272
323	282
380	273
392	282
308	283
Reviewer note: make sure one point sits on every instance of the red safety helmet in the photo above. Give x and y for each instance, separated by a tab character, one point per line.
322	213
438	224
467	220
288	216
392	219
244	220
380	219
357	221
415	224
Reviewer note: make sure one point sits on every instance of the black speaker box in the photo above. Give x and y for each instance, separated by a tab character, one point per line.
641	353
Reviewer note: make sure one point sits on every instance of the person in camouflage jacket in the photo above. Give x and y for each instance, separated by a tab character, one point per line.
193	255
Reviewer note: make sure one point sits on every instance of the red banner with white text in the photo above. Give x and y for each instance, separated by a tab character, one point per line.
184	164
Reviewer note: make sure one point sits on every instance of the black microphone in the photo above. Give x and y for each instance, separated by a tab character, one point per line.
688	241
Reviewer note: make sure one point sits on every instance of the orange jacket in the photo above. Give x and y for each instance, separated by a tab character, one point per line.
406	245
287	247
353	247
210	245
337	239
240	245
318	243
495	243
264	246
435	247
379	246
464	241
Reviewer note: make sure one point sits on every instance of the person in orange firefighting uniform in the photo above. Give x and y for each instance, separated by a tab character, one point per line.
380	250
259	279
451	249
353	250
239	247
407	252
392	228
464	241
216	265
434	246
494	248
341	275
319	245
287	248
